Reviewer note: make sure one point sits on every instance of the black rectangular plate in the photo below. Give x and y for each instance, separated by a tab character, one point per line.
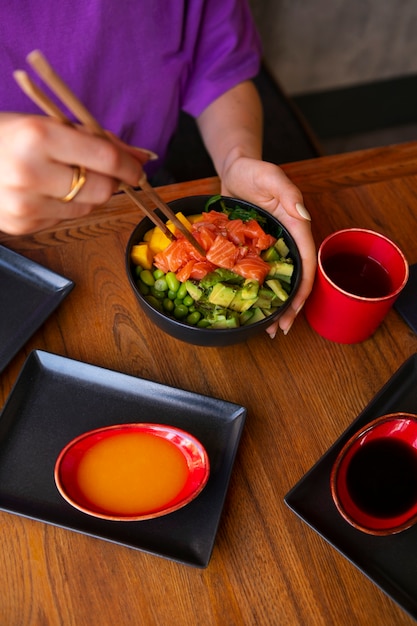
29	293
390	562
56	399
406	303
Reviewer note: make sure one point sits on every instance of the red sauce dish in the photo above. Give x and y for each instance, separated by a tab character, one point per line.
132	472
374	478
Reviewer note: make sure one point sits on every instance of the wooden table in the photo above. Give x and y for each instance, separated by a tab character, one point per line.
301	392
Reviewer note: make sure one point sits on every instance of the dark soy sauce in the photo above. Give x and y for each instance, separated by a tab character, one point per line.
358	274
382	477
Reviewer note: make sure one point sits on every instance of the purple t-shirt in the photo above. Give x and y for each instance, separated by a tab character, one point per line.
133	63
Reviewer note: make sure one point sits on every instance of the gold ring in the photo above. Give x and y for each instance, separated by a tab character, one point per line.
78	180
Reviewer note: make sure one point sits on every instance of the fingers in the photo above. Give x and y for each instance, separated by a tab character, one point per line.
142	154
300	229
29	209
23	214
32	197
30	143
308	261
54	180
36	171
267	186
293	214
68	145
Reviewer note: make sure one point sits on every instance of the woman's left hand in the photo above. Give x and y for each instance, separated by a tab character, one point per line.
267	186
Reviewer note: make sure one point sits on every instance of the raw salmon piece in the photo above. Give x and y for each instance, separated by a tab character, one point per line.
223	253
252	266
205	234
260	239
201	268
173	257
236	232
185	272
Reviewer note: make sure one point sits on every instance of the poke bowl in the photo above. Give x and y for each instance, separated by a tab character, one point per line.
248	278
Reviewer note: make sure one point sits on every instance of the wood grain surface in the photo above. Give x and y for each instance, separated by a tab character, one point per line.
301	392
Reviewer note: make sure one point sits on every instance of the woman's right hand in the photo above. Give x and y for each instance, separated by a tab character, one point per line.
37	155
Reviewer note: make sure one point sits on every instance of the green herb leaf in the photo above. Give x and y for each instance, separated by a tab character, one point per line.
235	213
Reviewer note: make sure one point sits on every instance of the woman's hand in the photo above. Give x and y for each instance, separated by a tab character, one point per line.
37	155
231	127
266	185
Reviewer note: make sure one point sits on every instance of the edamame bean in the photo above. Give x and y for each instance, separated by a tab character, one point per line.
154	302
168	305
188	301
161	284
172	281
158	274
180	311
160	295
203	323
144	289
193	317
147	278
182	291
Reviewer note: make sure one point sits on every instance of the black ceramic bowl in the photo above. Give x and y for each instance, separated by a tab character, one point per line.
209	336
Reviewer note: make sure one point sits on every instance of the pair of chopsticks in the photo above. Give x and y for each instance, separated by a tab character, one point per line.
55	83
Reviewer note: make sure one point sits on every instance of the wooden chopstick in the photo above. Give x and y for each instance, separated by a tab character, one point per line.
44	70
36	94
151	193
39	97
55	83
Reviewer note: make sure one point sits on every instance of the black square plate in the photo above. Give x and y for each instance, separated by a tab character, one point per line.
29	294
389	561
56	398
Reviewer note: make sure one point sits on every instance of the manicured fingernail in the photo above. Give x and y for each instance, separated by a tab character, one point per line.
299	309
302	211
272	335
152	155
287	330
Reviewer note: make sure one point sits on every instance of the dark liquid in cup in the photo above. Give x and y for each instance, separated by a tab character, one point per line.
358	274
382	477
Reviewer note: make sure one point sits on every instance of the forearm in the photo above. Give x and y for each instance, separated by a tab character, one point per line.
231	126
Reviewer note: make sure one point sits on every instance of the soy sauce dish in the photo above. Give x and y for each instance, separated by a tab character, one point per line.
235	323
374	478
132	472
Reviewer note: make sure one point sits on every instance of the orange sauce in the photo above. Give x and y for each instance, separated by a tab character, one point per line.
132	473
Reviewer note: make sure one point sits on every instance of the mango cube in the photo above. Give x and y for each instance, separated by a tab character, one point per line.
142	255
182	219
193	219
147	236
158	241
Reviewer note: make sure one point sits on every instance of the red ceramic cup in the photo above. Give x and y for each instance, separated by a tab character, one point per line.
360	274
374	478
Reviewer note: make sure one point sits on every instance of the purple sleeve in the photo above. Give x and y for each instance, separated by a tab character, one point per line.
227	52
